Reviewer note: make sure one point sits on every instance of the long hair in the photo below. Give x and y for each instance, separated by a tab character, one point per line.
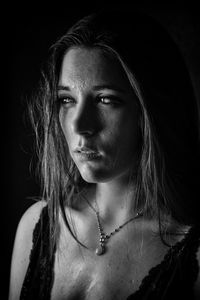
166	177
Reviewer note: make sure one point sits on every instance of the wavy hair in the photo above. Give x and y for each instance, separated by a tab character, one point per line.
169	120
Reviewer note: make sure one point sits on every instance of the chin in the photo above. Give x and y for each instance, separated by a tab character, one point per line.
95	175
92	178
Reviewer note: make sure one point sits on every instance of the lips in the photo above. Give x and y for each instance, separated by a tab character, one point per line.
86	152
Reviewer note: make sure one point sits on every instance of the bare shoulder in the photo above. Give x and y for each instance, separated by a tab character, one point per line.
31	215
22	248
197	283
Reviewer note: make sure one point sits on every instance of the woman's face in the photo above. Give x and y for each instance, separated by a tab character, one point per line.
99	115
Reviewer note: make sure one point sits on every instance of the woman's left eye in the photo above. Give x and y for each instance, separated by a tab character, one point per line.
109	100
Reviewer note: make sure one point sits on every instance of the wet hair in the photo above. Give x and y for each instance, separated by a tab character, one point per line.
167	174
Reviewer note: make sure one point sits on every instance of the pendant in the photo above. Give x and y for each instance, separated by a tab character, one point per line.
100	250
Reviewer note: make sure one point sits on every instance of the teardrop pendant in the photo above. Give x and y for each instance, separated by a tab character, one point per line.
104	237
100	250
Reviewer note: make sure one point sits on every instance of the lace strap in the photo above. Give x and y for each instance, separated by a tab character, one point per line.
176	274
39	274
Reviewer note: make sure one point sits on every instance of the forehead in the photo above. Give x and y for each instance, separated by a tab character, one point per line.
86	67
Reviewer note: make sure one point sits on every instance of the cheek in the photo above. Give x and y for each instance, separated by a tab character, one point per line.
131	134
123	145
128	147
125	131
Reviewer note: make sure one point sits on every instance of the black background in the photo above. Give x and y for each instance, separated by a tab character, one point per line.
27	35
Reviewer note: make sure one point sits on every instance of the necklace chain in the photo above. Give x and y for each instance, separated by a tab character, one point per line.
104	237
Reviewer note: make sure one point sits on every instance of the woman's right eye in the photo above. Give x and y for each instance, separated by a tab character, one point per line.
65	100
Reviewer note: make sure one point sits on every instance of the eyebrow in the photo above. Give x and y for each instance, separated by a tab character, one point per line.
96	88
108	87
62	87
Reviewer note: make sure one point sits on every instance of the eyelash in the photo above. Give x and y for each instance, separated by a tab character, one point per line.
63	99
113	100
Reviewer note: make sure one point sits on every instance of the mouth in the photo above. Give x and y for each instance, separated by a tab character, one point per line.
87	153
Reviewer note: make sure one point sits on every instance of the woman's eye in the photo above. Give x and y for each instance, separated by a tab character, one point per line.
106	100
65	100
110	100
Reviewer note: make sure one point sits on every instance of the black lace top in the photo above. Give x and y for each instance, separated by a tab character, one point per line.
173	278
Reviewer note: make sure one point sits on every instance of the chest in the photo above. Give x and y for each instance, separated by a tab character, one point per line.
81	274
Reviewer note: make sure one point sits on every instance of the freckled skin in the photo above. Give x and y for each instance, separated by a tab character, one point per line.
112	130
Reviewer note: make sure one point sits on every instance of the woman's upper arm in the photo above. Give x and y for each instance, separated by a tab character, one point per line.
197	283
22	248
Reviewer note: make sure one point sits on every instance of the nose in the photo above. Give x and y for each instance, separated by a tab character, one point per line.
85	121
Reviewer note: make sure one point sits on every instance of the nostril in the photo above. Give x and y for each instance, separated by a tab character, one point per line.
83	127
86	132
86	120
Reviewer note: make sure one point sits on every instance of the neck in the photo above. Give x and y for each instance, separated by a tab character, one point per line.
115	199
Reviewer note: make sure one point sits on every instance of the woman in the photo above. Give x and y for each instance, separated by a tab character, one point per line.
117	128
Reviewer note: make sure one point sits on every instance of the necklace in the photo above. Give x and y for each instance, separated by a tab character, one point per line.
104	237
